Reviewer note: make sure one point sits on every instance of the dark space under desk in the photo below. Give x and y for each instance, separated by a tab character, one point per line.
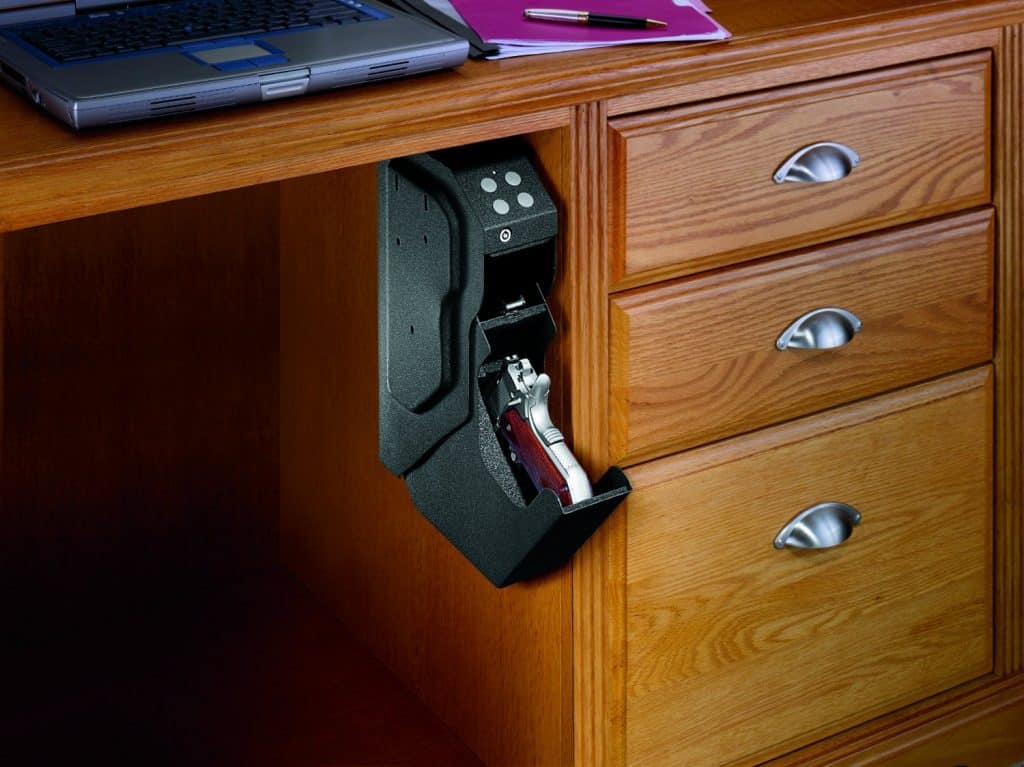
188	392
254	673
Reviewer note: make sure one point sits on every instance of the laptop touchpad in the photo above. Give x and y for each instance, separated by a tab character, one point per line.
239	54
233	53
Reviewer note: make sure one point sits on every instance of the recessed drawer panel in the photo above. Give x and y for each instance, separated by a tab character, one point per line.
739	651
693	188
699	359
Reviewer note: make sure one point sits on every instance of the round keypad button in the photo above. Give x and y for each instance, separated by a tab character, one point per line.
500	207
489	185
513	179
525	199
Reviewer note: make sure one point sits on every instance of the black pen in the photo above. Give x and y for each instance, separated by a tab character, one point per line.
591	19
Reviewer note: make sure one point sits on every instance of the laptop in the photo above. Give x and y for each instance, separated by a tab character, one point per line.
93	62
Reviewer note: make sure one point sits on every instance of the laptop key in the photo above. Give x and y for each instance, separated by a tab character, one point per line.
187	21
207	38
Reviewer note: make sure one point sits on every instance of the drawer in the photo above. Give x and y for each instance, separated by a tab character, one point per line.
697	360
737	651
693	188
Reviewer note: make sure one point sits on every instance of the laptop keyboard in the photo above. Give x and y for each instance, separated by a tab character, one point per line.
190	21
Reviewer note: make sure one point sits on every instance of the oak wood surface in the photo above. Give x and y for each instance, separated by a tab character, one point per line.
139	398
694	361
47	173
738	651
694	185
495	665
1010	350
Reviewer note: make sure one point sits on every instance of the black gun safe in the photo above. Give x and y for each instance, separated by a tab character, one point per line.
467	249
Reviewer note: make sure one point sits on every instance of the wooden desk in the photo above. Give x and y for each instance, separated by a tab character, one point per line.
188	387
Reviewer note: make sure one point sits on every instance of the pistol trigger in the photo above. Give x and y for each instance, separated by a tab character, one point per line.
541	388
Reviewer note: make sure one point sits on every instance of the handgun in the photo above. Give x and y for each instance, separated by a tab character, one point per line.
535	443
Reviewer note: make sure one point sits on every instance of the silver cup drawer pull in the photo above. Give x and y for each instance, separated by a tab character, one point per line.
827	328
819	527
818	164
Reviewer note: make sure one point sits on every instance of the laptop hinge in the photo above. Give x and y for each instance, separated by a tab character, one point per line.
21	11
106	5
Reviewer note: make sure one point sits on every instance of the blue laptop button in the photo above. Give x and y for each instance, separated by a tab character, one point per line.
273	58
223	42
235	66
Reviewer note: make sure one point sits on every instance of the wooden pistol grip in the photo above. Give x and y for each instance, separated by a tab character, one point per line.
534	458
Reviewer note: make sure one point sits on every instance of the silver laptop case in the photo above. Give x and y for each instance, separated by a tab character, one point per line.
217	73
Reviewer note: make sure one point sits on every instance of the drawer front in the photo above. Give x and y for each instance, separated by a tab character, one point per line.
737	651
693	188
697	360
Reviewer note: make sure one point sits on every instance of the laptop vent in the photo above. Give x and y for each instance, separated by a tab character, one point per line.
16	77
384	71
173	106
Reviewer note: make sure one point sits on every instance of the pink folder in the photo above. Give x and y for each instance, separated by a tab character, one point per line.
502	22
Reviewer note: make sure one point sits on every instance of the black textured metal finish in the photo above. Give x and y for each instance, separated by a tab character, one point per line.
461	287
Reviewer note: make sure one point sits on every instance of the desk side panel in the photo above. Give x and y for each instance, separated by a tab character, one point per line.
492	663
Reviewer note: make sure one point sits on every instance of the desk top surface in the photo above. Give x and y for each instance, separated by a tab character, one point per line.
48	173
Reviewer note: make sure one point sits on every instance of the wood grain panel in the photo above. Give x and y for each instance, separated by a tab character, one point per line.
140	399
492	663
598	577
1010	350
781	72
695	184
738	651
696	361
